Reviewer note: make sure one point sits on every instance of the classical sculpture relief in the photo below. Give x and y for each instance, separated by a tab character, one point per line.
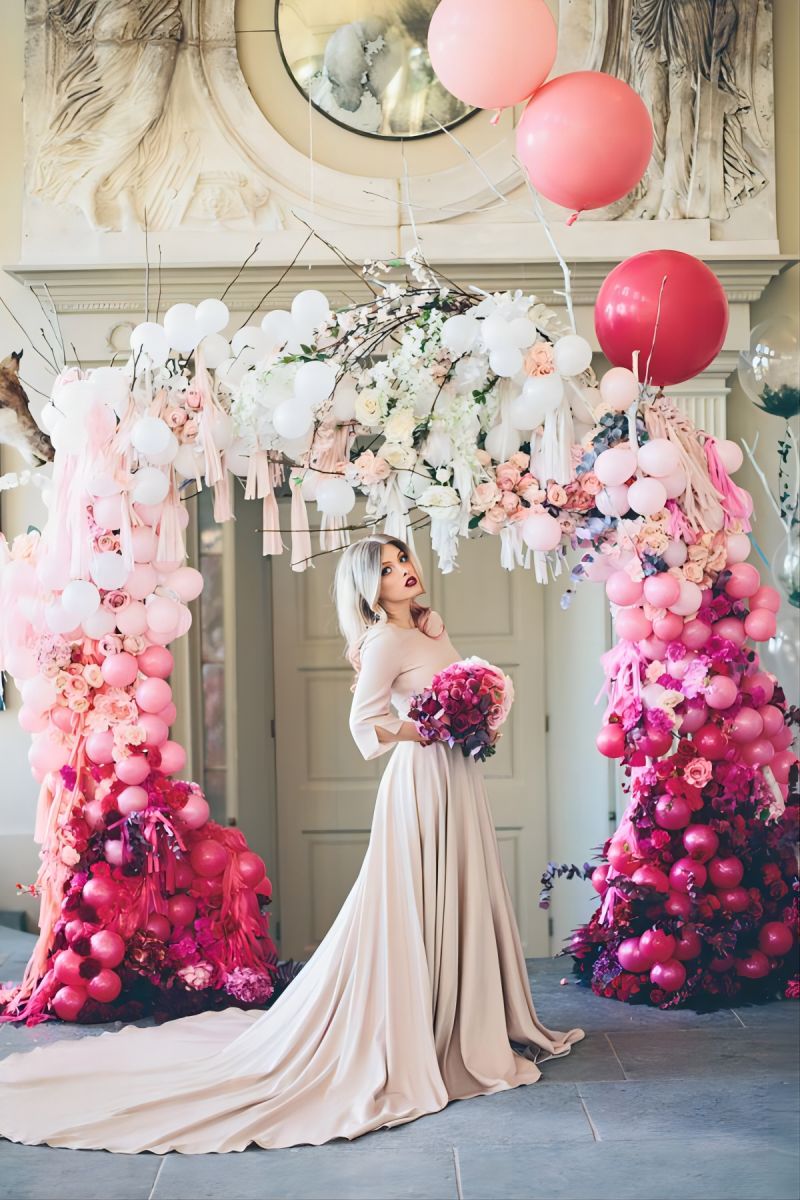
124	136
704	69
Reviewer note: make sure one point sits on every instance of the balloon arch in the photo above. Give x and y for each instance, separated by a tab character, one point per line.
482	414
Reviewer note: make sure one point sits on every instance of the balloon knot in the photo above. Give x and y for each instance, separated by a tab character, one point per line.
571	220
495	116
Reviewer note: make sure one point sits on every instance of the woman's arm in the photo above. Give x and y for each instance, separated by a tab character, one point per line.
375	728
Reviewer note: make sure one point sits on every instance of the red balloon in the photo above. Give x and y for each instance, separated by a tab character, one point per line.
692	323
209	858
711	742
654	743
735	899
678	905
688	944
775	939
585	140
754	965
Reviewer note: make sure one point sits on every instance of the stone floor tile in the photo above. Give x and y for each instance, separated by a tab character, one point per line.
691	1053
45	1173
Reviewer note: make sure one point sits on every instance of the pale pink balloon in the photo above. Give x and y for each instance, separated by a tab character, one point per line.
194	813
647	496
100	623
186	583
145	544
47	753
766	597
119	670
105	986
162	614
745	581
68	1002
132	621
615	467
632	625
737	548
690	599
93	812
613	501
62	718
761	624
32	722
156	730
669	627
107	511
166	567
772	719
659	457
746	726
730	455
114	852
732	629
149	513
53	570
721	692
132	770
107	947
492	56
21	662
142	581
132	799
661	590
675	554
173	757
623	590
674	484
619	387
153	694
541	532
653	648
156	661
695	634
168	714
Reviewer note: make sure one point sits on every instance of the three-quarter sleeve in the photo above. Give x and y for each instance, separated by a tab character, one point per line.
380	666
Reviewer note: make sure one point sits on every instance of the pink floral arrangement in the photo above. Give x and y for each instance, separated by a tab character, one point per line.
465	706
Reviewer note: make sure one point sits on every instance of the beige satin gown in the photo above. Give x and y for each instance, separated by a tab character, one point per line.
408	1002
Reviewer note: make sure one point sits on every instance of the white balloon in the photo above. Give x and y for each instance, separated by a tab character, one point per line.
215	350
248	335
496	332
75	400
211	316
181	328
546	389
150	435
505	361
221	430
39	693
523	332
109	570
230	372
150	486
502	441
459	334
114	385
310	308
49	417
527	412
292	420
311	481
344	399
314	382
278	328
293	448
335	497
150	340
189	461
572	355
58	620
80	599
167	455
237	459
69	437
99	623
675	554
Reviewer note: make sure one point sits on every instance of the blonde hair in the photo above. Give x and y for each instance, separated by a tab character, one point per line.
356	591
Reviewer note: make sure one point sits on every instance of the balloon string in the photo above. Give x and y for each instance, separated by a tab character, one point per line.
407	188
311	195
565	271
655	331
571	220
472	159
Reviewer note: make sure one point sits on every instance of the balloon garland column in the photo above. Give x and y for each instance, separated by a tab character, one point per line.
146	904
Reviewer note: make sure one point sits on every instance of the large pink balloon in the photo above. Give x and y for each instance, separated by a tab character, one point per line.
585	139
692	322
492	55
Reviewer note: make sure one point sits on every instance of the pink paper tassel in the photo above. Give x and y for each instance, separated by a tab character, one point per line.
734	498
301	537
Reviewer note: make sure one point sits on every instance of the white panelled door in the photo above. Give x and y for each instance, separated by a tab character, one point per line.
326	791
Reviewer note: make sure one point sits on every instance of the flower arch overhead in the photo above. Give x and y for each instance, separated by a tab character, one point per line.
482	413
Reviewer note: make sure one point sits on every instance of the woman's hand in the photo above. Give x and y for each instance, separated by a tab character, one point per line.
407	732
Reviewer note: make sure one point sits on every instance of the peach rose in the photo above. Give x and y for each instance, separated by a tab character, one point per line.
507	476
556	495
539	359
485	495
493	520
510	501
520	459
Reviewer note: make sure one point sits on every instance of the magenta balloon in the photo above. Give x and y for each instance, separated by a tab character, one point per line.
252	868
153	694
181	910
758	753
173	757
183	875
209	858
657	945
746	726
99	892
672	812
692	323
630	956
678	905
735	899
754	965
783	739
670	976
688	944
700	842
759	681
695	715
651	876
585	139
775	939
726	872
681	870
772	719
599	879
105	986
156	661
107	947
132	770
67	965
159	926
68	1002
492	55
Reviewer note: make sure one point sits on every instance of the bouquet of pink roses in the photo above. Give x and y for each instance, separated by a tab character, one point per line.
465	706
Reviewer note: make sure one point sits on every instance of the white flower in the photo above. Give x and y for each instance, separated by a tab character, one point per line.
400	455
438	500
368	409
400	425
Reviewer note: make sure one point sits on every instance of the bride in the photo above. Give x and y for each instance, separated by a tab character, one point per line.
412	999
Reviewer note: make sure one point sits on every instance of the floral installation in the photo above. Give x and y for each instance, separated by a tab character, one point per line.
465	706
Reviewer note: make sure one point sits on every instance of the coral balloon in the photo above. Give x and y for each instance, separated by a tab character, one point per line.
761	624
692	321
632	625
669	627
766	597
156	730
695	634
689	600
209	858
661	591
695	714
492	56
585	139
732	629
744	582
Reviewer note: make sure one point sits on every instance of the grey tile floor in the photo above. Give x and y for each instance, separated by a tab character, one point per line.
651	1105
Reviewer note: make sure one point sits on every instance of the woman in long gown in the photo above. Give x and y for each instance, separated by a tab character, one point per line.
411	1000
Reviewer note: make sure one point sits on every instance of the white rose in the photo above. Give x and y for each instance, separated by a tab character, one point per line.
400	425
367	409
438	499
399	455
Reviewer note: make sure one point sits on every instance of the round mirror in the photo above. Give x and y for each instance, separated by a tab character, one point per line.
366	66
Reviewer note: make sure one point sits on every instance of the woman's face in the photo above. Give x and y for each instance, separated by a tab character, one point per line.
398	579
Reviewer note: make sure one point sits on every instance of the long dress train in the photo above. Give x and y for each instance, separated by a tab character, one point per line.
411	1000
